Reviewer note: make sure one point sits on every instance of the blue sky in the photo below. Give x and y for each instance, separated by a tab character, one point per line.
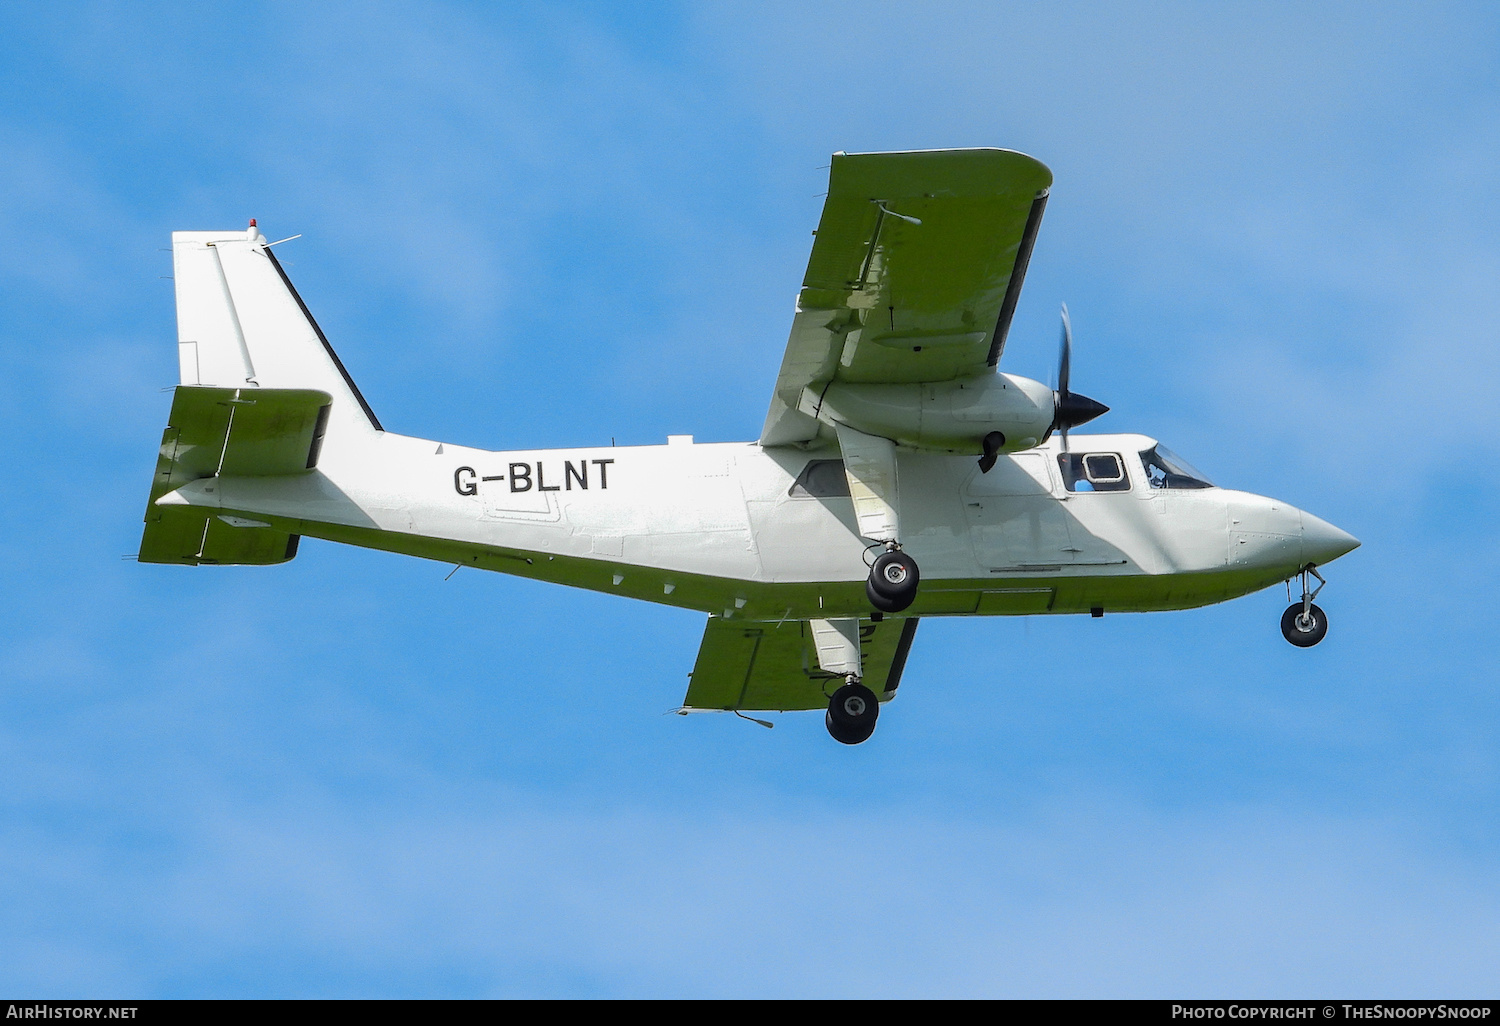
1276	228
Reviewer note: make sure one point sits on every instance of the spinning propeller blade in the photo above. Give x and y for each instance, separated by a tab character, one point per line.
1065	352
1070	408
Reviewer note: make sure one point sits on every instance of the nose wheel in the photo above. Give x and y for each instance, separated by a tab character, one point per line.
1305	624
892	585
852	712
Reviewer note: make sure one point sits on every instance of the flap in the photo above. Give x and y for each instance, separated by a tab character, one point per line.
753	666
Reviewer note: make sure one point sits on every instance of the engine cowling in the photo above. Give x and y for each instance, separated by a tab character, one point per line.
946	416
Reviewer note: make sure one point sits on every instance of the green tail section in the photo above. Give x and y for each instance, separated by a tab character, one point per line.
249	432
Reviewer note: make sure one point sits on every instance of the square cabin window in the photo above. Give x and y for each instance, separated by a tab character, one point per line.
1093	472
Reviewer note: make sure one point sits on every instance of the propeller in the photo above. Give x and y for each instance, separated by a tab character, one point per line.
1070	408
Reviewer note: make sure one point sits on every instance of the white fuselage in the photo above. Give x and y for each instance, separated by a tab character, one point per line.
721	527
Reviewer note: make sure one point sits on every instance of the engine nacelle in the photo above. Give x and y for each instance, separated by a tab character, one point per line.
946	416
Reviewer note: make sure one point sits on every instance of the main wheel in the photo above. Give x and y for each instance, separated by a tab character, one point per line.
1303	631
882	602
852	712
892	585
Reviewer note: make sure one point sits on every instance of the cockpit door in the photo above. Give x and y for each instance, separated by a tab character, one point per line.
1194	528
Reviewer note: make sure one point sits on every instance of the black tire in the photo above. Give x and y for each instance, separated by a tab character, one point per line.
894	577
1303	633
852	712
846	735
881	602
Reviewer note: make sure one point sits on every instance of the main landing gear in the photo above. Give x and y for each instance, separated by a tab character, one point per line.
1304	624
892	585
852	712
853	708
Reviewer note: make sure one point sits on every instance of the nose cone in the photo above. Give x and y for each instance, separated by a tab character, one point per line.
1322	542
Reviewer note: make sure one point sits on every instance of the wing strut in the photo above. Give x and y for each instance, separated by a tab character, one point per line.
870	466
837	642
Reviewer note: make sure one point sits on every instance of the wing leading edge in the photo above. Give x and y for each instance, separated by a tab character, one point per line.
914	274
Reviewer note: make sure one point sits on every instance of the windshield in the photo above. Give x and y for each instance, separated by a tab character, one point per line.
1166	469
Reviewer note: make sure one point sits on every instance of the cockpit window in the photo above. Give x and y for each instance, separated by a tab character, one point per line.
1166	469
1093	472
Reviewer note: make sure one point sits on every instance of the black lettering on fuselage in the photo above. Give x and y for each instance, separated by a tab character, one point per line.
525	476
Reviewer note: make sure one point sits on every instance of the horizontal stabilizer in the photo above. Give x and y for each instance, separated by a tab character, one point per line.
250	432
774	667
181	534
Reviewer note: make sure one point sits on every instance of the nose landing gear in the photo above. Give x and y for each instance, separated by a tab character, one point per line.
892	585
852	712
1304	624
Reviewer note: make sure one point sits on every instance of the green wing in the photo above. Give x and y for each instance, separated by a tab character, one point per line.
914	274
249	432
766	666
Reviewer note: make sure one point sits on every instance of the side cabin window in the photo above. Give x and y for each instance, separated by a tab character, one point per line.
1166	469
1093	472
821	479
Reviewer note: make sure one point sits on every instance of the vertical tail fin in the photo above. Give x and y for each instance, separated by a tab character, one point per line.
241	324
264	395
